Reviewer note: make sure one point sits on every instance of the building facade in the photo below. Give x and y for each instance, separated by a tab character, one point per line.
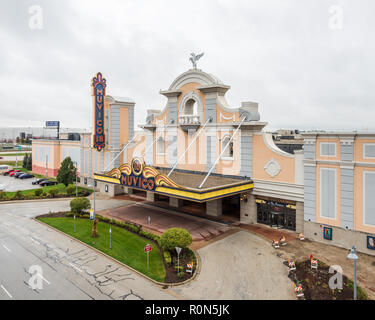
201	155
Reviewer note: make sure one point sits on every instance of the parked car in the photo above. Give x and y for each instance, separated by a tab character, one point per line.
17	174
26	176
39	181
48	183
12	173
6	173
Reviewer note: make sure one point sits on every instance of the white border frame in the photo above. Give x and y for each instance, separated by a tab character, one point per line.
320	192
364	198
364	153
227	135
320	149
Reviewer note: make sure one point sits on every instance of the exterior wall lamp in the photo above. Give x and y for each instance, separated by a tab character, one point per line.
243	197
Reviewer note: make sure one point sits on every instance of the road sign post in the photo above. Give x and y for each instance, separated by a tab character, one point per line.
74	222
178	258
110	238
149	221
148	248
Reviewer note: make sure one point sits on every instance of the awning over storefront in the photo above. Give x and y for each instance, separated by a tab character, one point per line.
183	185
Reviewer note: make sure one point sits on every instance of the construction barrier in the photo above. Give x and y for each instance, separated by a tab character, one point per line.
275	244
189	267
299	291
301	236
292	265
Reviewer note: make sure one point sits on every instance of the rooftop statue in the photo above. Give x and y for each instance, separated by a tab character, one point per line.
194	58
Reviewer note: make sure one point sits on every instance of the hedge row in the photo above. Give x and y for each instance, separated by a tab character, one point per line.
132	227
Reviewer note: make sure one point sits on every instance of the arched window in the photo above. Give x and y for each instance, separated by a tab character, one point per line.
160	146
191	107
229	150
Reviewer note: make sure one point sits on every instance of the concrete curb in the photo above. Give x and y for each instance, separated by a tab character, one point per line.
123	264
35	200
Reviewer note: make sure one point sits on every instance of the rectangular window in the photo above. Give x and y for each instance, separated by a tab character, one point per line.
328	193
369	150
328	149
368	198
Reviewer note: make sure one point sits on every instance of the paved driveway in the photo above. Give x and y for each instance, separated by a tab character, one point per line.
241	266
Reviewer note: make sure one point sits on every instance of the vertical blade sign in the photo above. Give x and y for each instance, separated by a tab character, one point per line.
98	85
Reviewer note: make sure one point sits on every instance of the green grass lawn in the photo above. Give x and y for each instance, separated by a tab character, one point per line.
126	246
13	154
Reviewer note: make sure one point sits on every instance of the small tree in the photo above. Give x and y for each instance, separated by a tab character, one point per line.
29	163
53	192
77	205
67	172
175	237
25	161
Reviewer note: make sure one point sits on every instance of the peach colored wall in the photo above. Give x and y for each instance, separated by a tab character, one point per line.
335	222
262	154
358	200
221	119
124	126
335	140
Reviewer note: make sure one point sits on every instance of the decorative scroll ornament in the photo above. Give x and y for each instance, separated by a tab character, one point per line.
138	175
272	167
99	85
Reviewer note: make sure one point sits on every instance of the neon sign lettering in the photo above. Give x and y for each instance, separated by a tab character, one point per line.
99	85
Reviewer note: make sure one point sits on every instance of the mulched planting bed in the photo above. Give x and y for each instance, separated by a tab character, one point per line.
315	283
185	258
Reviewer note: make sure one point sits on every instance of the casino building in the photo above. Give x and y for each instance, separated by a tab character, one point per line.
201	155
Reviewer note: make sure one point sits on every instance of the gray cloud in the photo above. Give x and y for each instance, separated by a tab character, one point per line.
281	54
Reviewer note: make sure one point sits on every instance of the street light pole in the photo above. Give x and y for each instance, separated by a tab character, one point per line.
76	178
353	256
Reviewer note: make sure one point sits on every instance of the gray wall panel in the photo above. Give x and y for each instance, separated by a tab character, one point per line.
246	152
310	193
211	109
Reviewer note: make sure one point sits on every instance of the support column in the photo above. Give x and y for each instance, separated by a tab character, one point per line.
150	196
299	217
214	207
248	209
127	190
175	202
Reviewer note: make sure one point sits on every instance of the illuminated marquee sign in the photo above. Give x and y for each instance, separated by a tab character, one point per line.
135	179
98	85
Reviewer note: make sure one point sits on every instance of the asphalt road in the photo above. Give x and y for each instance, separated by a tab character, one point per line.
70	270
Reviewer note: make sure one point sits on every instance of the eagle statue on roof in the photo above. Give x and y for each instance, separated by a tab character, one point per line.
194	58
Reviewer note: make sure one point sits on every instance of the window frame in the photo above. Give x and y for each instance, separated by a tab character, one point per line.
364	148
158	153
230	158
326	155
364	198
320	193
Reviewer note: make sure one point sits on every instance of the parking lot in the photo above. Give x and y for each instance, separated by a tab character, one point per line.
10	184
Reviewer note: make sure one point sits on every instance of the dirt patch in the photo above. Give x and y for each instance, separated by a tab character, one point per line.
315	283
186	257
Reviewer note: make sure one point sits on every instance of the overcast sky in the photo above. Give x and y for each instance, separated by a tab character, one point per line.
309	64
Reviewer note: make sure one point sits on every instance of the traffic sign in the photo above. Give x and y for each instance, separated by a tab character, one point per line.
148	247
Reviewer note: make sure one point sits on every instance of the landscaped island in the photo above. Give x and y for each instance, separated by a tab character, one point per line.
128	243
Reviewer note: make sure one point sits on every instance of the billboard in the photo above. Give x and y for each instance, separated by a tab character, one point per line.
52	123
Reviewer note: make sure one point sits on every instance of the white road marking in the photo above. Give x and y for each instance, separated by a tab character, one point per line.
75	267
43	278
37	242
6	248
6	291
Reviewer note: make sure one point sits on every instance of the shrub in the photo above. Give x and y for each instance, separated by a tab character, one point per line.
2	195
180	274
44	194
175	237
38	192
167	257
18	195
53	192
179	269
70	190
77	205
